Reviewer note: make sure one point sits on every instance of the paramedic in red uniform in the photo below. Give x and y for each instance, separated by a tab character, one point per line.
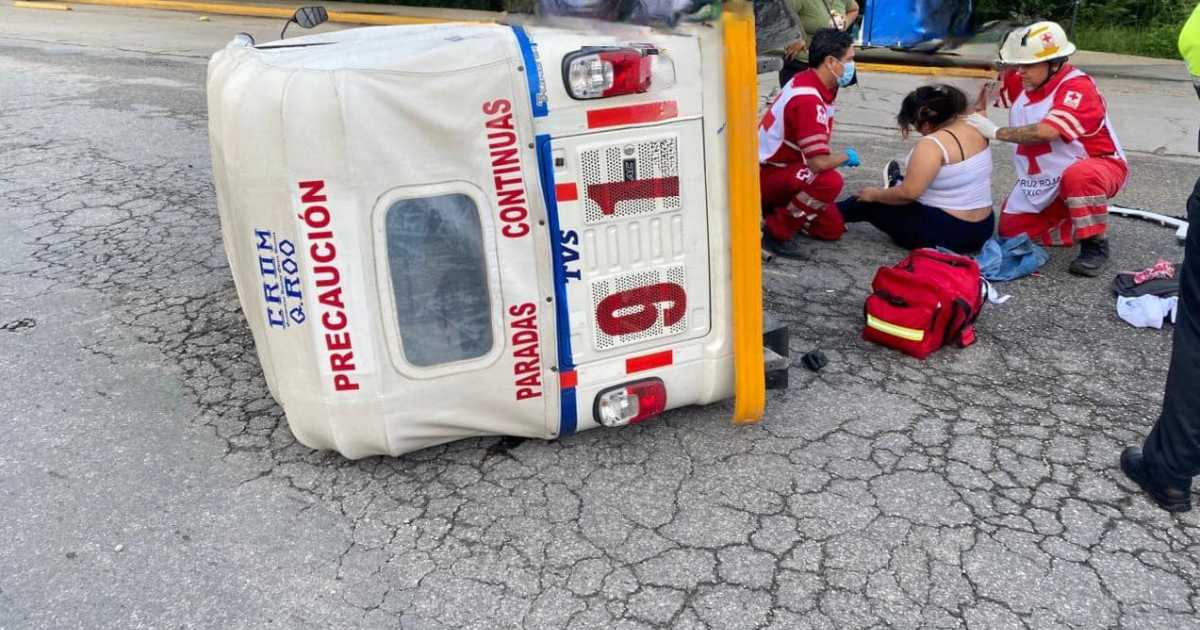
797	167
1068	160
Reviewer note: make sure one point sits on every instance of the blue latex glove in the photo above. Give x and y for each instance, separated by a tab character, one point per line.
853	162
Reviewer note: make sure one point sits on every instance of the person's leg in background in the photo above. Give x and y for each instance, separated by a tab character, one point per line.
798	201
791	67
1170	457
1086	187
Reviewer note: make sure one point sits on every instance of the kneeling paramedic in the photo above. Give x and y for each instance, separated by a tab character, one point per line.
1069	162
797	168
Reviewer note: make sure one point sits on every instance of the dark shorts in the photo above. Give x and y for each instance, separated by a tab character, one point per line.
918	225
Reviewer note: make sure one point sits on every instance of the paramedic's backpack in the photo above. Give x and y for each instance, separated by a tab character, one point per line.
924	302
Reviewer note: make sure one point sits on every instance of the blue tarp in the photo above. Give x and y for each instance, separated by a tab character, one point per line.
908	23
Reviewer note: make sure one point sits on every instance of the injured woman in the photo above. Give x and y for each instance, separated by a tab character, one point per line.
943	197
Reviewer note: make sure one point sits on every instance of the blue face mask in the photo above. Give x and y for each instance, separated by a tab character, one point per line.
847	74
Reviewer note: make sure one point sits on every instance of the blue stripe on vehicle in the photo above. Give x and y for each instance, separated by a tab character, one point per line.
531	72
568	420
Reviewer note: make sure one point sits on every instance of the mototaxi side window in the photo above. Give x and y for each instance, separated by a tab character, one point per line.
439	279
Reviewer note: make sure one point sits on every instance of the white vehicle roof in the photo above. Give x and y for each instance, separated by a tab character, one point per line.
430	49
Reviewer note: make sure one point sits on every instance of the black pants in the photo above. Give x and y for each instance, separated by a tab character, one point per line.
792	67
918	225
1173	447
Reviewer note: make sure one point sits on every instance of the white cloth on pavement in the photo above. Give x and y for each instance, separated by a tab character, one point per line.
994	296
1147	311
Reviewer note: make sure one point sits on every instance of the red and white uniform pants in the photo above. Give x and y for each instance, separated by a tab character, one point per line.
1081	209
798	201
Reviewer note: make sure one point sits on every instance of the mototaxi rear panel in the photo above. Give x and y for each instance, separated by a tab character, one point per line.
395	207
374	201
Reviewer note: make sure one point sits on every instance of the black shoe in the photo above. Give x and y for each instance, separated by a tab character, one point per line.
892	174
1093	255
1172	497
786	249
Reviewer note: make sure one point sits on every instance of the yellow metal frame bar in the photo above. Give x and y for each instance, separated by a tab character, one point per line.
936	71
40	4
741	131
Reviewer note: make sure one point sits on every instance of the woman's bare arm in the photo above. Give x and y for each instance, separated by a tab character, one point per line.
923	167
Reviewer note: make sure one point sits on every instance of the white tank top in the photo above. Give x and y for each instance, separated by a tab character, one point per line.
964	185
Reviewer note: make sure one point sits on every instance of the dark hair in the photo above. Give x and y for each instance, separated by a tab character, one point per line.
931	105
828	42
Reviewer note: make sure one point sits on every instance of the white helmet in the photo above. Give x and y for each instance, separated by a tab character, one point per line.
1036	43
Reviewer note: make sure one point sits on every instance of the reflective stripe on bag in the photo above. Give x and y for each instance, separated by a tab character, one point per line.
910	334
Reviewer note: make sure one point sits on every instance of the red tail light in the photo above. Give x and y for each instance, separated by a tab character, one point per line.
630	403
601	72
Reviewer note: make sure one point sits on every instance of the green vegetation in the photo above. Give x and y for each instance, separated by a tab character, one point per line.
1135	27
1158	41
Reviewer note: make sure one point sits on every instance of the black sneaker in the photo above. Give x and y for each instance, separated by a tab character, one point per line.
1170	497
892	174
1093	255
787	249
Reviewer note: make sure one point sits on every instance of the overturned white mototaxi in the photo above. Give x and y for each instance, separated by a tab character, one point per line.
456	230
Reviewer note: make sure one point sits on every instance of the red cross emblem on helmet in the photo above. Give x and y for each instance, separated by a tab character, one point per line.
1048	39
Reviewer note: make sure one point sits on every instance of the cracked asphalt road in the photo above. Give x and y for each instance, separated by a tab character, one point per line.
147	479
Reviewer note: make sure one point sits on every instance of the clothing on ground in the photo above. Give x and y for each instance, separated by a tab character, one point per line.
1161	279
814	361
1081	209
994	296
1147	311
1006	259
917	225
1173	447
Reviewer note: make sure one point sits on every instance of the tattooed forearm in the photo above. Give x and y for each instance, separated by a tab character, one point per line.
1036	133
